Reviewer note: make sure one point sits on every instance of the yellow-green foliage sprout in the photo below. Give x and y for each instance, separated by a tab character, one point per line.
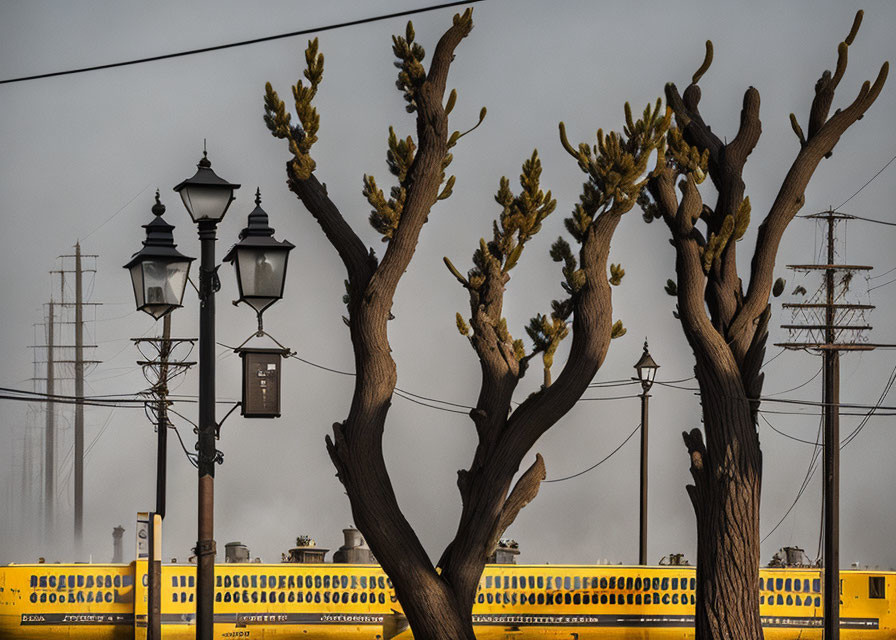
301	138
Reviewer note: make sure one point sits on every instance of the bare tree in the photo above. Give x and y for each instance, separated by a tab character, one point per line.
726	327
438	600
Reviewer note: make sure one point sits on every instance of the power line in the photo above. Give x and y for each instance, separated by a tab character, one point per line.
242	43
865	185
597	464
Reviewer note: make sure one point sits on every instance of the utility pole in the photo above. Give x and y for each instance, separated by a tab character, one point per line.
828	321
158	368
50	440
79	364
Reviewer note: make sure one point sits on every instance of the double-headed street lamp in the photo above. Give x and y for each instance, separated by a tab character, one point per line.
646	368
159	275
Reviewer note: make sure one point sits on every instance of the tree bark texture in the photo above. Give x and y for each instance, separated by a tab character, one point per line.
438	600
727	328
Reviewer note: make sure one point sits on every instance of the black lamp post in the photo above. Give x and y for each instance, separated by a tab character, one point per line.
646	368
260	262
207	198
159	275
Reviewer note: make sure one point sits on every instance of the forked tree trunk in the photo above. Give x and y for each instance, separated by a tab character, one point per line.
727	327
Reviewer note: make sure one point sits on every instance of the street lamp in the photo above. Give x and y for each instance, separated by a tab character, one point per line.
207	198
159	271
260	262
646	368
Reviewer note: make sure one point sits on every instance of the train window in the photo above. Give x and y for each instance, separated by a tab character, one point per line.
217	597
612	582
789	600
603	598
355	596
292	582
326	582
281	598
264	597
567	598
227	596
797	585
89	584
779	584
628	583
300	596
817	602
345	597
665	598
281	582
787	585
80	581
550	582
254	581
798	601
531	582
318	583
656	584
612	598
674	584
806	584
693	584
807	602
292	596
577	582
540	598
638	583
577	598
264	582
603	583
480	598
877	587
317	597
693	600
343	581
567	583
629	598
389	582
780	599
218	580
363	580
665	584
488	582
381	599
761	584
512	598
226	581
674	598
586	598
245	581
108	582
761	600
326	596
489	598
637	598
540	582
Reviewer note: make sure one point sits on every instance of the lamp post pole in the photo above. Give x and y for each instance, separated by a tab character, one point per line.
646	368
205	545
642	539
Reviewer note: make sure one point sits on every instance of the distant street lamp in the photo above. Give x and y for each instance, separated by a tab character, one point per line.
646	368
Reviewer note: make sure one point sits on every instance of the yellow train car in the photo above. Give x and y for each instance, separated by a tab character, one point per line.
329	601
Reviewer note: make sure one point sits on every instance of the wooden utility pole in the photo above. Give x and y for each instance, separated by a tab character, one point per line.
50	441
79	401
834	322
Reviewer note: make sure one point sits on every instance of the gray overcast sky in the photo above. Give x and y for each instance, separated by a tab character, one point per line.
83	154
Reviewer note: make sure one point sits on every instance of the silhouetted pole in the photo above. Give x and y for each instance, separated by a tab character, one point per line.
646	368
79	400
50	443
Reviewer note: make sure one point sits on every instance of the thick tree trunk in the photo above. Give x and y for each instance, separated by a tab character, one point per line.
727	475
